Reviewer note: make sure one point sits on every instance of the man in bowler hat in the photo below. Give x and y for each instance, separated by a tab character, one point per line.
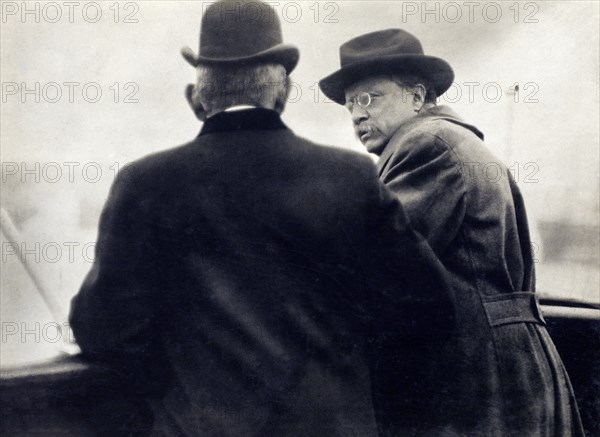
239	277
500	374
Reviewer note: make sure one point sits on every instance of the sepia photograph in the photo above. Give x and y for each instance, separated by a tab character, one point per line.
308	218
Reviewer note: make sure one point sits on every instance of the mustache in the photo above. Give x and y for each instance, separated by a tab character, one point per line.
364	127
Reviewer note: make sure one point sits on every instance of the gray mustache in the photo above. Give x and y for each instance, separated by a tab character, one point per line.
365	127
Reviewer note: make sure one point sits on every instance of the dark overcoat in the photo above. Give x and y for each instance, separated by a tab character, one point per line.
501	374
240	276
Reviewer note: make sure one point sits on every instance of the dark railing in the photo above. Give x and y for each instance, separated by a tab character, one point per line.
70	397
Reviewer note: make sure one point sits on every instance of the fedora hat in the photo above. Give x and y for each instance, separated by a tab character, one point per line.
243	32
385	52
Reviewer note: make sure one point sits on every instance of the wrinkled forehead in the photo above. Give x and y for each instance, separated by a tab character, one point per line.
379	84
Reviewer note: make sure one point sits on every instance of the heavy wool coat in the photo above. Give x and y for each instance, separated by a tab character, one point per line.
500	375
242	274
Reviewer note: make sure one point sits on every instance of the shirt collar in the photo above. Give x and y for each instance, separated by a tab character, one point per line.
239	108
242	120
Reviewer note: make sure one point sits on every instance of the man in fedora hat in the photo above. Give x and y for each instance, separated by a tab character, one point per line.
240	275
500	374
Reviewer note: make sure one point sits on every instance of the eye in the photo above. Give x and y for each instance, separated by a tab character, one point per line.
363	100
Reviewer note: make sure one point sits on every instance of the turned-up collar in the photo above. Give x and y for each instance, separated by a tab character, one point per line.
244	119
432	113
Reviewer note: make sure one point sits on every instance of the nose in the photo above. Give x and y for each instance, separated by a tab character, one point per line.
358	114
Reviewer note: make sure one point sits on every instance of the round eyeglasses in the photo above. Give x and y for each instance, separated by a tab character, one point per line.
363	100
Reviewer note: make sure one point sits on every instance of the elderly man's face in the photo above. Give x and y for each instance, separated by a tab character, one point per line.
389	106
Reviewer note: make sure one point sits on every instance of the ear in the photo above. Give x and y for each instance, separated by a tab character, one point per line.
281	100
196	106
419	93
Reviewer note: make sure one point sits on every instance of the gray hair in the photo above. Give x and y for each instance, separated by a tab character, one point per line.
221	86
409	81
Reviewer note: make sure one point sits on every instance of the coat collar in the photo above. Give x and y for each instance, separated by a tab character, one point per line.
434	113
246	119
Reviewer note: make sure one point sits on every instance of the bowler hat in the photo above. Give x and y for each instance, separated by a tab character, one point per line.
241	31
388	51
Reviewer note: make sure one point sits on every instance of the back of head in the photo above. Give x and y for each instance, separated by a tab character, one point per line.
242	59
221	86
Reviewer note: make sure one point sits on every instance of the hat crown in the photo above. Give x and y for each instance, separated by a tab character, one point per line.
391	51
390	42
241	28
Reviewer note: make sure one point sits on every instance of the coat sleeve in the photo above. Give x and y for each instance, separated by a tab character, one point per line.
429	181
114	315
408	289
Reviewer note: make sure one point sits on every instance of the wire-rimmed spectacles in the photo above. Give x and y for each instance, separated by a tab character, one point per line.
363	100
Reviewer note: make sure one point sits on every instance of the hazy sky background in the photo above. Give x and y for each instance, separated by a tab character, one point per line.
551	51
549	136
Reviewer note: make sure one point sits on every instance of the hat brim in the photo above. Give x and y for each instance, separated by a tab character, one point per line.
435	71
284	54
